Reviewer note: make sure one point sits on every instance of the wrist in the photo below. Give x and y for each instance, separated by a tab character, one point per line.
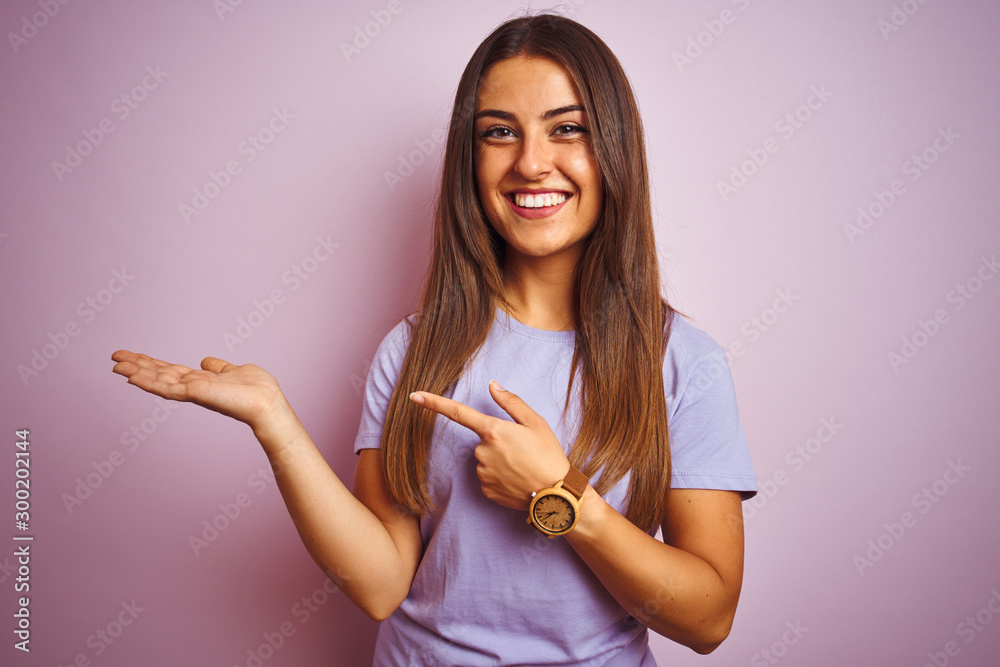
555	510
593	512
279	429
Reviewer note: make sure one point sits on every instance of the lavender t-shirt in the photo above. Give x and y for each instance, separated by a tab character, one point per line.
490	589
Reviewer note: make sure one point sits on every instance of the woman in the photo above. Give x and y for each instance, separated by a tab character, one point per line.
543	280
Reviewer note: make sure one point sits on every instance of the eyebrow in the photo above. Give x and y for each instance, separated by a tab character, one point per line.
506	115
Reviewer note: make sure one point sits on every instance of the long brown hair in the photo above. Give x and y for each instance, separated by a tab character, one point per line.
620	314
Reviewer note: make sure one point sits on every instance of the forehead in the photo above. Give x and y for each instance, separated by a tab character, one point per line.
531	85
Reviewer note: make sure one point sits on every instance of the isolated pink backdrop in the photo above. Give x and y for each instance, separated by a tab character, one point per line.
874	539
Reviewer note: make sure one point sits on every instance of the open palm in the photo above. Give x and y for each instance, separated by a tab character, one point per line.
247	393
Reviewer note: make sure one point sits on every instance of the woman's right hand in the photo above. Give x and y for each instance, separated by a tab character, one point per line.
247	393
366	543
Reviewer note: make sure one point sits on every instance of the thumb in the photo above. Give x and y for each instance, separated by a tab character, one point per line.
512	404
215	365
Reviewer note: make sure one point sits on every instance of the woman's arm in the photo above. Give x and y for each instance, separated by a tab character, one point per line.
685	588
368	547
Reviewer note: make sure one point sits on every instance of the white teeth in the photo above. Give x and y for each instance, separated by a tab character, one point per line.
539	200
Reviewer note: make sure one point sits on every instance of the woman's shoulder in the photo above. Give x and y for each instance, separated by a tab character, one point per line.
399	336
392	349
694	364
688	342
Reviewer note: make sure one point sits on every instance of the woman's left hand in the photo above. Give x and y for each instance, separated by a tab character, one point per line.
515	458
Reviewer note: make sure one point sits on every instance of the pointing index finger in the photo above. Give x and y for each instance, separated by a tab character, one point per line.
457	412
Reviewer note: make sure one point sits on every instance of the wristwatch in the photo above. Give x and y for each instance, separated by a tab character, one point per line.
555	510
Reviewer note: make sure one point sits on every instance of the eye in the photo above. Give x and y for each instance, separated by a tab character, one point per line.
496	132
567	129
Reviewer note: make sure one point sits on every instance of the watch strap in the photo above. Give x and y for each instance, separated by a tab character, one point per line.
575	482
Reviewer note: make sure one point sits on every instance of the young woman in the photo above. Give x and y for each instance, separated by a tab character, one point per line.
529	428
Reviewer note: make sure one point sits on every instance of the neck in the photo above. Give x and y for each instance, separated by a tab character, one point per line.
540	291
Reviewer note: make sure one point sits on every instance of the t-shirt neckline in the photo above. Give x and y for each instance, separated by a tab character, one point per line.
519	327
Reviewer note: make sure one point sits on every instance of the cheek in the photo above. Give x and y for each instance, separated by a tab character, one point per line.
487	173
583	169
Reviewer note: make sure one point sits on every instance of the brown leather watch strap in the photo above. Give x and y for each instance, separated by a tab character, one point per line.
576	482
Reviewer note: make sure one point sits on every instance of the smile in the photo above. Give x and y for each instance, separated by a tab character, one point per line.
540	200
540	205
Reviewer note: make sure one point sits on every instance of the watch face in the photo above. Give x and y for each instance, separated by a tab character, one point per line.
554	513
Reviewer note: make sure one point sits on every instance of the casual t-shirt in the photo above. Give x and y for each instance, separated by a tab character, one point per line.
490	589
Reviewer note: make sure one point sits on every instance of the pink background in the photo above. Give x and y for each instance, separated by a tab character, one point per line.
351	119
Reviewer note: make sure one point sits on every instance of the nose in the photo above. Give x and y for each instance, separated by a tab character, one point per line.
535	159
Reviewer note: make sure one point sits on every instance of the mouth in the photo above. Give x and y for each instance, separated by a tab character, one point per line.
538	199
538	204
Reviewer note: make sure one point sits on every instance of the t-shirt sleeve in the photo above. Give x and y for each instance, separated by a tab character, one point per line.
382	376
708	448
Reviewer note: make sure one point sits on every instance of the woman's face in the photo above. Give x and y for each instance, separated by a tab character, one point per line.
536	172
